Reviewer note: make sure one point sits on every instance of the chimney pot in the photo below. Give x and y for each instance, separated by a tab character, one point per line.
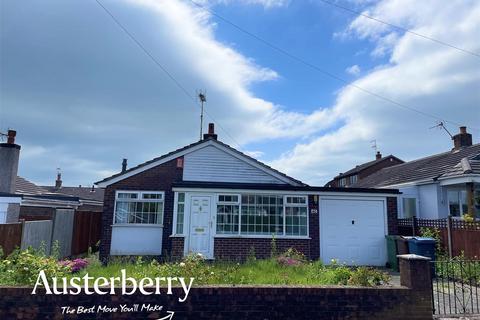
9	156
211	132
462	139
58	182
11	136
124	165
378	156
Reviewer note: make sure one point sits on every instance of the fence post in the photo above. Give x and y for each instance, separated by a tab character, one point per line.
414	225
449	235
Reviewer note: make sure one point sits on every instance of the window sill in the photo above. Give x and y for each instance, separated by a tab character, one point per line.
141	225
177	236
261	236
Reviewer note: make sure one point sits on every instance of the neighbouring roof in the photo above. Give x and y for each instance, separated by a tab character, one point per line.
433	167
86	193
366	165
28	189
275	187
23	186
180	150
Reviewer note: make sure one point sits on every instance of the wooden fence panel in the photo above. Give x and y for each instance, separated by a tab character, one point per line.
467	241
465	235
37	234
86	231
10	237
63	230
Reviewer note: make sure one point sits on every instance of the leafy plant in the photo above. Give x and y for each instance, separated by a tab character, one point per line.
368	277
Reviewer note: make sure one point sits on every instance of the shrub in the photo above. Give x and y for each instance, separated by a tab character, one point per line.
23	267
368	277
291	257
75	265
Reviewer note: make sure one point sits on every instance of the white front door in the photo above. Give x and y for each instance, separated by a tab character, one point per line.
352	231
200	226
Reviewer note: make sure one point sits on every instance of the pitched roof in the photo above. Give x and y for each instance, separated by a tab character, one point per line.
23	186
431	167
366	165
85	193
185	148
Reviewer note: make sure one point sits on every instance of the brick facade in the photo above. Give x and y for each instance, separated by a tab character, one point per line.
159	178
238	249
178	246
314	226
392	215
412	301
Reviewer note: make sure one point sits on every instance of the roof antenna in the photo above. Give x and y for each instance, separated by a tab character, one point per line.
202	96
374	145
441	125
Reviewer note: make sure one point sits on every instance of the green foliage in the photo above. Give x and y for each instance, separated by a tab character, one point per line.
273	245
23	266
435	234
368	277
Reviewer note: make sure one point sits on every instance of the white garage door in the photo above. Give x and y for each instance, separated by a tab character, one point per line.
353	231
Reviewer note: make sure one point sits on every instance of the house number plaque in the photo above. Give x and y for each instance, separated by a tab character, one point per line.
314	211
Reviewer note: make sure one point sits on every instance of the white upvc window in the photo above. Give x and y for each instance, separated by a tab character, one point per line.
180	212
228	213
296	208
262	214
409	205
139	207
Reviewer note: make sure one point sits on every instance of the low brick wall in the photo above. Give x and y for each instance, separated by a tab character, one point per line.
412	301
238	249
265	303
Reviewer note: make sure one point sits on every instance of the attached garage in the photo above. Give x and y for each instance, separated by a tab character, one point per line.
352	230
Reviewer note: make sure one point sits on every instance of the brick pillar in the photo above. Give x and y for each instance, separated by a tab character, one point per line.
392	215
415	272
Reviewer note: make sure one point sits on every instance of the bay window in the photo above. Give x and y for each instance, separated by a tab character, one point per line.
259	214
457	202
228	209
139	207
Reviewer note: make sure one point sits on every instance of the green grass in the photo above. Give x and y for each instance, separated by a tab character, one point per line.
253	272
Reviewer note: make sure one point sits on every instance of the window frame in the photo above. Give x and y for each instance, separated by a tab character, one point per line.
139	198
218	202
277	235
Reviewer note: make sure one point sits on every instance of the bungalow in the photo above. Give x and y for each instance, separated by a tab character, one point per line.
212	199
436	186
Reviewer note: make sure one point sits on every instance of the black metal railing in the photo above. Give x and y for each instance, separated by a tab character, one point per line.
456	287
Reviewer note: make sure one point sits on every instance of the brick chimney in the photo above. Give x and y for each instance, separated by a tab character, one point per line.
58	182
378	156
462	139
124	165
211	132
9	156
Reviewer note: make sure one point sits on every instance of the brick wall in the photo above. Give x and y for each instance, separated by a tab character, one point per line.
412	301
159	178
314	226
262	303
177	247
392	215
238	249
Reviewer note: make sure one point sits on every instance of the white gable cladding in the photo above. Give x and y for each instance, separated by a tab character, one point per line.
215	165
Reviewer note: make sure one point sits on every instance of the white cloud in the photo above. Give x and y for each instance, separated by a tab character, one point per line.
119	104
353	70
265	3
422	74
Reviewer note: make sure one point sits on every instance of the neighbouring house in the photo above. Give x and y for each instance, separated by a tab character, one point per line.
362	171
69	215
212	199
439	185
90	198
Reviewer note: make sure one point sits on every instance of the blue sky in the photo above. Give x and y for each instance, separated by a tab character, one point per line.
82	95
